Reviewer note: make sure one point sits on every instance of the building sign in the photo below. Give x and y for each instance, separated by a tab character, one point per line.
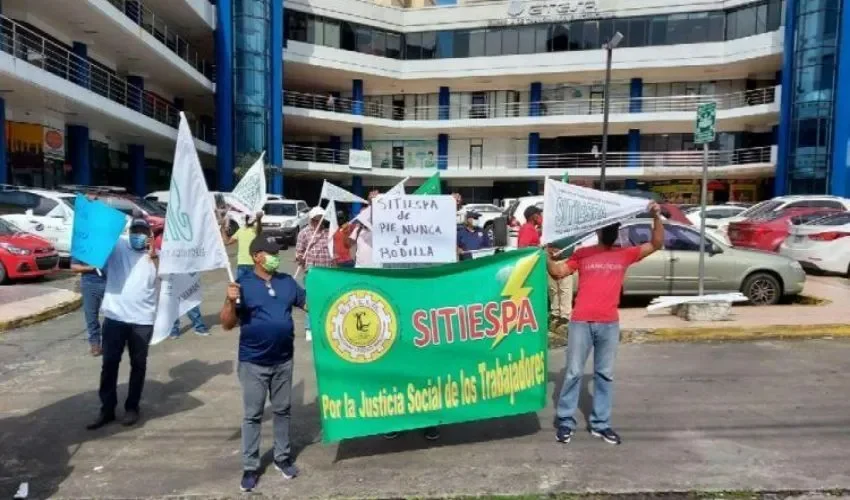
54	144
548	11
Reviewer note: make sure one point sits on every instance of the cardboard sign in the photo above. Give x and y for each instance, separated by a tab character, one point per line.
97	228
414	228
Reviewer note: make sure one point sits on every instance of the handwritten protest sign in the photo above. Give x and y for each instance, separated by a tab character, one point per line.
414	228
97	228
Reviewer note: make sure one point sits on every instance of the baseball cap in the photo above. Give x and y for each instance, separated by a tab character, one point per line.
532	211
261	244
316	212
139	223
472	214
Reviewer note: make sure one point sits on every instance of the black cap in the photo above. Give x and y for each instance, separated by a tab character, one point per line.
261	244
140	223
472	214
532	211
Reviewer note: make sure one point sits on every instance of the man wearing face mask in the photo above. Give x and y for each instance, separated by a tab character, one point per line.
471	237
129	309
261	303
595	323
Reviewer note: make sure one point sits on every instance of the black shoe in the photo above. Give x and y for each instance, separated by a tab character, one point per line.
249	481
608	435
131	417
287	469
102	419
432	434
564	434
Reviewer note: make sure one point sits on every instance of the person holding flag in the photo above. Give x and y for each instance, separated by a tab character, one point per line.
261	304
595	323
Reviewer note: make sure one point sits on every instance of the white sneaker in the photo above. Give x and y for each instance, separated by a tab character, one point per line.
309	335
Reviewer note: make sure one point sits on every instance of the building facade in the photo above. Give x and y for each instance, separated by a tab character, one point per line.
497	95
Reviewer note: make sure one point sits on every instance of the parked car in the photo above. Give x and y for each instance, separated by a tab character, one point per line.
674	270
152	211
822	244
786	202
284	219
24	255
46	214
768	230
715	215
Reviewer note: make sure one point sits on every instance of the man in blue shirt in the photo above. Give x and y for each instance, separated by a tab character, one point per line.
261	303
471	237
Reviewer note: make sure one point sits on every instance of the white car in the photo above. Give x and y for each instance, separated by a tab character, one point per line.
715	215
821	245
516	215
488	212
783	202
48	214
284	219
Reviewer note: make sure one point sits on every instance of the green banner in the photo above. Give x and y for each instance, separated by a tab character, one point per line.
430	186
411	348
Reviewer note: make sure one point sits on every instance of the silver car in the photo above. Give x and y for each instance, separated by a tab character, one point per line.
674	270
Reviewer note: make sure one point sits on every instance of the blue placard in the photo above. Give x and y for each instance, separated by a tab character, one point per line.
97	228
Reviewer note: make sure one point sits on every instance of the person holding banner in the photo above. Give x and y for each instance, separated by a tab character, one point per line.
261	303
244	236
129	308
595	323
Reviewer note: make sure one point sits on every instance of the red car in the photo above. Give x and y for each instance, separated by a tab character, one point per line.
768	231
152	211
24	255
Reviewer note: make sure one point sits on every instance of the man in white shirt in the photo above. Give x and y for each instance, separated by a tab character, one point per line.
129	309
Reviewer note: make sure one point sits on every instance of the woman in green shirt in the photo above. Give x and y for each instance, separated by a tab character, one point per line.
244	236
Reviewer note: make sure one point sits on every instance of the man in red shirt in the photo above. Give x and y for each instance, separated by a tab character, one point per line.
595	323
529	233
560	290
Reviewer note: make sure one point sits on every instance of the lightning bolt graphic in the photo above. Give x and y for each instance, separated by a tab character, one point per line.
516	290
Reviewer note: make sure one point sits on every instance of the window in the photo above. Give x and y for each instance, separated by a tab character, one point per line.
606	31
638	234
461	44
658	31
834	220
493	42
298	27
510	41
716	26
413	51
678	29
559	40
348	36
280	209
429	45
590	35
526	40
44	206
332	33
16	202
364	40
379	43
638	32
677	238
477	43
393	46
315	31
698	26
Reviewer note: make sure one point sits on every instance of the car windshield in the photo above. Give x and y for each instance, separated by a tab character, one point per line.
7	228
483	208
761	208
280	209
839	219
68	201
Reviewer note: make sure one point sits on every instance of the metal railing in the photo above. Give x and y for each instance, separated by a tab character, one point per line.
165	34
747	156
572	107
28	46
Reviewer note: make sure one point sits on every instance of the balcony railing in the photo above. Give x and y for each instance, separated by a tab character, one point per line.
30	47
572	107
167	35
748	156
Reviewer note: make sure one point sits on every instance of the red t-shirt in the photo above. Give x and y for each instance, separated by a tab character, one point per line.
343	253
528	236
600	278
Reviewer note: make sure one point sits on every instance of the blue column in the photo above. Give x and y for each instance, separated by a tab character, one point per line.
357	138
80	69
336	146
4	164
533	149
133	11
444	100
135	91
634	150
78	154
276	97
225	158
839	180
357	97
780	185
136	157
356	188
635	95
443	151
534	98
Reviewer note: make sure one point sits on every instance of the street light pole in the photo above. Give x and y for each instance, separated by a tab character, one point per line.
609	47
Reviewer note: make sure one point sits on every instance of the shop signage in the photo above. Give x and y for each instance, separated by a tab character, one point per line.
54	144
548	11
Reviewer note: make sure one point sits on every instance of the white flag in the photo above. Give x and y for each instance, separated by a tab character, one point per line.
333	225
336	193
365	215
191	240
570	210
177	295
249	196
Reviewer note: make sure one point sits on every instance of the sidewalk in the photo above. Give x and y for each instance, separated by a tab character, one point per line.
22	305
831	318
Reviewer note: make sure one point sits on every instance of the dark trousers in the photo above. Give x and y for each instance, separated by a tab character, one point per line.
117	335
92	291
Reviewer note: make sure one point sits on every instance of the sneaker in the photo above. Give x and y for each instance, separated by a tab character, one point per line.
250	479
564	435
432	434
202	332
287	468
608	435
391	435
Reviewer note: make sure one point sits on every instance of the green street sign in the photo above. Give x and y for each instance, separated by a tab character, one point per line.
706	123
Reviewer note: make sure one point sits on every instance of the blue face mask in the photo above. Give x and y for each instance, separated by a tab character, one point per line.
138	241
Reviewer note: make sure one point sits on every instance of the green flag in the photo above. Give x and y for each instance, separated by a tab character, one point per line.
400	349
430	186
565	178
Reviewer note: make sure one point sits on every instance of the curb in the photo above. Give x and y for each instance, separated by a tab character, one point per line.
734	334
58	310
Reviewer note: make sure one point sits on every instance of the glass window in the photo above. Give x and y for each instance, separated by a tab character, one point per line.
638	234
698	25
658	31
541	40
364	39
716	26
493	42
476	43
559	40
379	43
298	26
413	51
332	33
526	40
393	45
731	25
677	29
746	22
590	35
606	30
429	45
316	31
622	25
461	44
510	41
638	32
576	30
680	239
44	206
348	37
774	14
761	18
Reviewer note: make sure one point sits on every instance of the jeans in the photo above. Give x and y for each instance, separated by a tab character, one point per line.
347	264
242	270
194	315
92	292
603	338
117	335
258	381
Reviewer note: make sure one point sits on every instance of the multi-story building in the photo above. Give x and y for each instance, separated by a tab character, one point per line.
495	95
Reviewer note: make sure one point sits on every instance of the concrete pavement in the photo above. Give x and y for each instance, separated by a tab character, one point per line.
25	304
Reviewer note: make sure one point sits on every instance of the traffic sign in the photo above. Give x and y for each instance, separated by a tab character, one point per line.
706	123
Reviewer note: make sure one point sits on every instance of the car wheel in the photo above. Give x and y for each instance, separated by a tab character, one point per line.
3	276
762	289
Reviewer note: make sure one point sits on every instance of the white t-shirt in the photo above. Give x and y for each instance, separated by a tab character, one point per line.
362	237
131	286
